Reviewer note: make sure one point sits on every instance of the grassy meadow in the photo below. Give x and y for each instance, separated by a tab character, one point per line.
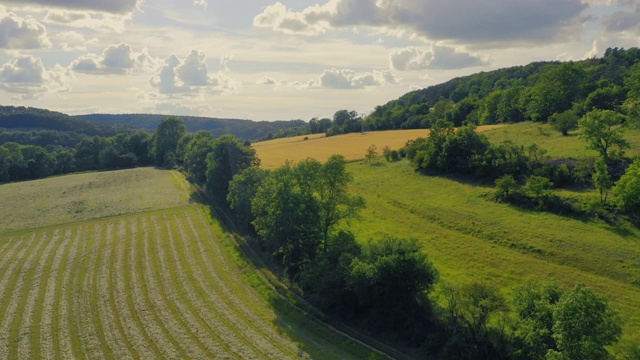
274	153
140	272
557	146
470	238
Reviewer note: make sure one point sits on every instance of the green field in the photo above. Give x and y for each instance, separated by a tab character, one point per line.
469	238
125	264
557	146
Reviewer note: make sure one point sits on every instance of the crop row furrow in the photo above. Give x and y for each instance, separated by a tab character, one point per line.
173	333
234	337
221	298
173	305
108	311
213	341
15	292
8	265
42	335
61	324
227	277
4	253
89	325
141	309
28	325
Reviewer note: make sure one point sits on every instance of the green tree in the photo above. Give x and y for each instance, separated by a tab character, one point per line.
195	155
165	140
537	185
242	190
534	305
286	219
602	179
372	152
564	121
584	325
505	185
556	91
390	280
332	192
627	189
602	129
227	158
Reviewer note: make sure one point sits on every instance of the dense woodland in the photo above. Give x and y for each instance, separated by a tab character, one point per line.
383	286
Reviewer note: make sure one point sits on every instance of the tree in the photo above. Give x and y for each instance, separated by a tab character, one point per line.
242	190
534	305
227	158
195	155
602	129
583	325
286	219
372	152
627	189
602	179
165	140
505	185
537	185
564	121
556	91
333	195
390	280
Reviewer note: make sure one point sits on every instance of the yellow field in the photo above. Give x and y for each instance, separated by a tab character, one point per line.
274	153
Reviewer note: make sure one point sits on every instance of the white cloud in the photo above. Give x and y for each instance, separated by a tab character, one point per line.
337	79
461	21
349	79
21	33
88	19
72	41
201	3
435	57
27	77
111	6
115	59
191	75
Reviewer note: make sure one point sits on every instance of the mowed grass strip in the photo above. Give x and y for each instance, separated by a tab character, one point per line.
88	196
469	238
161	283
353	146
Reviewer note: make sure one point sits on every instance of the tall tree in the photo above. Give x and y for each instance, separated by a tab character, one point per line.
228	157
165	140
583	325
602	129
627	189
602	179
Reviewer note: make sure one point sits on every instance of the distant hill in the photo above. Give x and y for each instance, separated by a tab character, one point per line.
242	129
33	126
28	118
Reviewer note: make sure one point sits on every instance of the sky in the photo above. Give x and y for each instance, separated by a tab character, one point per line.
281	60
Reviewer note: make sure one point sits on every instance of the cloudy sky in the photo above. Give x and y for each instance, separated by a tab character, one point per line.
280	60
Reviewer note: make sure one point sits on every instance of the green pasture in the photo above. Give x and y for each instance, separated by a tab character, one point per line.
470	238
557	146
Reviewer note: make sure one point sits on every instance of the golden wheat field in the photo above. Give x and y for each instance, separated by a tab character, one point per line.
274	153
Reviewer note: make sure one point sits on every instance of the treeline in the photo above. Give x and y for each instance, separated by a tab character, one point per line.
536	92
23	118
555	92
27	162
241	129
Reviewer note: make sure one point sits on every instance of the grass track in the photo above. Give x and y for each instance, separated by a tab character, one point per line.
149	284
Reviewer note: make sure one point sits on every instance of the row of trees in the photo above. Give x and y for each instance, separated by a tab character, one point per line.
27	162
538	92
